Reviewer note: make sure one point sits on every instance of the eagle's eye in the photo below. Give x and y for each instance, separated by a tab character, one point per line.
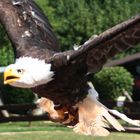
20	71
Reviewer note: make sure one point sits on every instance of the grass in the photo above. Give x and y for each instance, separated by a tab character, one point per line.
35	126
50	131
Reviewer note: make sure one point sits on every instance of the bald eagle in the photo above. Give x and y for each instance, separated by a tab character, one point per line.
60	78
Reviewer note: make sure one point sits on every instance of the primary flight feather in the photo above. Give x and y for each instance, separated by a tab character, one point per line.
61	77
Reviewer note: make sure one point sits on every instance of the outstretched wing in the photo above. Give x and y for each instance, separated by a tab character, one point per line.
97	50
28	28
117	39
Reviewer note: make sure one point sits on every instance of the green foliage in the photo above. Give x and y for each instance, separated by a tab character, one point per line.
6	51
75	21
16	95
113	81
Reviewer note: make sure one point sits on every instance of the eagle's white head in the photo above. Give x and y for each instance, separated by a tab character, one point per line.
28	72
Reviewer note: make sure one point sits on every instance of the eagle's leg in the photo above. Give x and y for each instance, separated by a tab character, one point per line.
72	116
48	106
58	113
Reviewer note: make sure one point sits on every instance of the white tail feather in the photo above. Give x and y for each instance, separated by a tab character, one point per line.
124	117
113	121
94	117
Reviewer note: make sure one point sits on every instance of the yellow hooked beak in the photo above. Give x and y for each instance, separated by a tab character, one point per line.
11	75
